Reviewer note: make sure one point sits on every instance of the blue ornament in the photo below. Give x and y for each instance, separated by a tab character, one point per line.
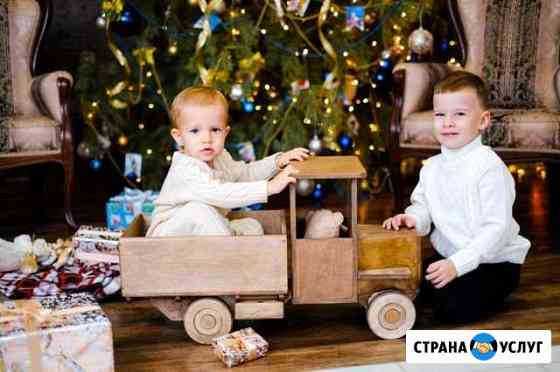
318	193
444	45
248	106
95	164
385	64
129	23
345	141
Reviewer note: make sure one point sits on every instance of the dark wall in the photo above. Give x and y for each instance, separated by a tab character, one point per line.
72	29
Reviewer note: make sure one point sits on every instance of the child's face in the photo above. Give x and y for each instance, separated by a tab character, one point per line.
202	131
458	118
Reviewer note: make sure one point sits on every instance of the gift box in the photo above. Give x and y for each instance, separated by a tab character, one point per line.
96	244
121	209
240	347
67	332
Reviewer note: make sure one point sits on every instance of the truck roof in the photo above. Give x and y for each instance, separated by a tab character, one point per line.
330	167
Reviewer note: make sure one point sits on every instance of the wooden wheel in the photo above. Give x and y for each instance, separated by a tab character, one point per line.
390	314
206	319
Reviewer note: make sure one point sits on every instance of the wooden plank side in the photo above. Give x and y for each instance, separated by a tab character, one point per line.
194	266
325	271
259	310
330	167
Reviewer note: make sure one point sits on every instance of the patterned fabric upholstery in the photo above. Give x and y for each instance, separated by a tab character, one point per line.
514	46
28	106
6	105
519	130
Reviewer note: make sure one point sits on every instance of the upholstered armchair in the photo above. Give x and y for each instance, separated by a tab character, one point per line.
35	123
513	46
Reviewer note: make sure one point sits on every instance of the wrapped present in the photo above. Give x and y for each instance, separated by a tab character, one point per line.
240	347
96	244
121	209
57	333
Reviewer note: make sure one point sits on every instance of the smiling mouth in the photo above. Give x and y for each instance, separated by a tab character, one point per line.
449	134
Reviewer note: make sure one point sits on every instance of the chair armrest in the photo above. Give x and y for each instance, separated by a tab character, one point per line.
419	81
47	95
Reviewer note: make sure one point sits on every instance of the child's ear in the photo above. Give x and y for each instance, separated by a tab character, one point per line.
484	120
176	134
226	130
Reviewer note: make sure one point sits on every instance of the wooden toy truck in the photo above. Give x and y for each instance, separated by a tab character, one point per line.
207	282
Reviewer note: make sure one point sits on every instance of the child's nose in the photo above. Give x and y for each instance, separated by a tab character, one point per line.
448	122
206	137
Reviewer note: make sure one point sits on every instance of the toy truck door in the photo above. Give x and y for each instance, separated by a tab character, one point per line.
325	270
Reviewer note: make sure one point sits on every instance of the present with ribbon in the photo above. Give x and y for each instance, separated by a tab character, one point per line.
240	347
96	244
67	332
121	209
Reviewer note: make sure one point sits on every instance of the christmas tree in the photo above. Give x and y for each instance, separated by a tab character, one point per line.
297	73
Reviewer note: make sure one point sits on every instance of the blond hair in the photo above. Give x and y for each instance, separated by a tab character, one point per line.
460	80
198	95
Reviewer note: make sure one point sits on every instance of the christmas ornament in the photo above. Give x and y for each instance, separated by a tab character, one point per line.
101	22
421	41
248	106
297	6
298	86
236	92
345	141
386	54
84	150
103	141
247	151
253	64
353	124
370	18
318	192
132	166
123	140
355	17
213	19
129	23
304	187
350	88
315	144
95	164
193	2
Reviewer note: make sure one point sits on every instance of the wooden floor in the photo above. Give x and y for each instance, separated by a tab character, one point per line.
326	336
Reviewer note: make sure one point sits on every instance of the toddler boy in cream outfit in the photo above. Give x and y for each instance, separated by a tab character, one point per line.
204	182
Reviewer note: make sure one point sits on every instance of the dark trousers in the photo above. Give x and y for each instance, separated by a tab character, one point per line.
472	296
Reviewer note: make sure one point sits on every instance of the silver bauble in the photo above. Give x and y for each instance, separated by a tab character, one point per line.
305	187
100	22
315	145
421	41
236	92
84	150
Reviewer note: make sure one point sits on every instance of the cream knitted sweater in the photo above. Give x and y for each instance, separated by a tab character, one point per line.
229	184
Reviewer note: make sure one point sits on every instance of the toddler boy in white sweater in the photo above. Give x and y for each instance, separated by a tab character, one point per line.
467	193
204	182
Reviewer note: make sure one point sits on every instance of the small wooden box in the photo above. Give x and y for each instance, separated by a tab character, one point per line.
206	265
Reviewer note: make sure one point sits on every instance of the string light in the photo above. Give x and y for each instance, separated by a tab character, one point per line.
172	49
141	126
371	147
263	31
365	100
351	109
151	106
168	158
374	43
149	74
123	140
94	104
149	151
378	104
306	121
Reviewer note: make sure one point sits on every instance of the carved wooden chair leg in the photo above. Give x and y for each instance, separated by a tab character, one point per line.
68	165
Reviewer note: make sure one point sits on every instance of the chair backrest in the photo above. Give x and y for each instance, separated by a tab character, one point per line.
513	45
25	26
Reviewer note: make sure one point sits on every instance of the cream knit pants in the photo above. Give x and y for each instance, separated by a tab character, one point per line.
196	218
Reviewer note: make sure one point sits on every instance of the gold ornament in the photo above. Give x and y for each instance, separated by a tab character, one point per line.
113	6
421	41
252	64
350	88
193	2
123	140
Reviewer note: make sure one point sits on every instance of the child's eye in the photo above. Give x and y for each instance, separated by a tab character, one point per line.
216	130
193	131
461	113
438	114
